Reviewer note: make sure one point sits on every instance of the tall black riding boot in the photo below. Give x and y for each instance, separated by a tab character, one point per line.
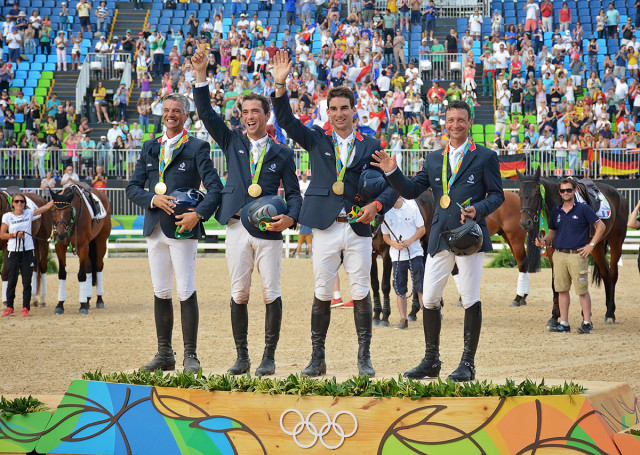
272	323
165	358
320	320
466	371
190	319
430	364
240	327
362	317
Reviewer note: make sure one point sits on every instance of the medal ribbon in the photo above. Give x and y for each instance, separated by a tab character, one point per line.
454	172
164	163
255	168
543	222
340	169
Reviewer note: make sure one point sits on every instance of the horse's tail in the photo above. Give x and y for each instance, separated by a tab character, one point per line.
532	256
596	275
93	257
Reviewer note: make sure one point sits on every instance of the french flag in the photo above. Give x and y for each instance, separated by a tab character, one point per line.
267	31
310	30
356	74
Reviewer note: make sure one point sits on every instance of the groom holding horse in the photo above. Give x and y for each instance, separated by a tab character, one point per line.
174	161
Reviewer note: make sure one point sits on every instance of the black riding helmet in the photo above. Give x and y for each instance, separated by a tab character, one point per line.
262	209
370	185
464	240
187	199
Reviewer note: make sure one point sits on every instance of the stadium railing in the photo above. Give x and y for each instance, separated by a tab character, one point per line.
593	163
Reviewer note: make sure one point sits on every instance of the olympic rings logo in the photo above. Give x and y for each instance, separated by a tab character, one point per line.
324	430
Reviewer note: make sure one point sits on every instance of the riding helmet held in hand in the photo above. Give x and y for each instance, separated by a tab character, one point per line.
464	240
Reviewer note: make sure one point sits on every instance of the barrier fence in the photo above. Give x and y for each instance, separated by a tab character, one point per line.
591	163
132	240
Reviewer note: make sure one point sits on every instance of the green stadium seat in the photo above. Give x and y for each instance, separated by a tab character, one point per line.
44	83
475	129
40	92
489	128
46	75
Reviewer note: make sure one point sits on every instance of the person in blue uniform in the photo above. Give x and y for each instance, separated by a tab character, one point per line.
174	161
256	164
338	157
465	180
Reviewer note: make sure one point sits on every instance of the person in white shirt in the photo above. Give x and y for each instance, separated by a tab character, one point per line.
502	58
253	25
14	41
475	23
531	21
16	229
512	146
384	83
243	23
402	229
69	178
560	148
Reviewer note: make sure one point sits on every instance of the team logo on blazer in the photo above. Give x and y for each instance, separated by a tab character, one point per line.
182	166
272	168
471	179
240	151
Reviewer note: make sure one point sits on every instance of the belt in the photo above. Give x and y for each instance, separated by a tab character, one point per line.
568	251
342	219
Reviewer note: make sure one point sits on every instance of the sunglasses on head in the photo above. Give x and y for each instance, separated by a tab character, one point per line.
566	190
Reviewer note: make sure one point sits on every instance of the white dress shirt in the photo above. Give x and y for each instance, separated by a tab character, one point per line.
344	145
257	146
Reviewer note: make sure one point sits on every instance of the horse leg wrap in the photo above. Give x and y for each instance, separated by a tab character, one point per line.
82	296
62	290
99	287
5	285
523	284
43	286
34	286
88	289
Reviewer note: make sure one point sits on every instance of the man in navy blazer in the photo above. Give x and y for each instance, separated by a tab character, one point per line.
471	179
187	163
256	164
338	157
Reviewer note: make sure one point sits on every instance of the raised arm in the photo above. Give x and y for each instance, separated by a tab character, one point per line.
215	125
407	188
304	136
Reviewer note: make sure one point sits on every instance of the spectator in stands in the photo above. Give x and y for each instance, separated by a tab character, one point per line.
620	68
69	178
601	24
475	24
120	101
502	58
236	9
429	23
102	12
613	22
87	150
46	35
532	10
496	23
404	11
75	51
564	17
84	14
64	23
48	181
102	151
546	12
61	51
14	42
398	50
99	180
157	45
501	119
100	102
29	40
632	62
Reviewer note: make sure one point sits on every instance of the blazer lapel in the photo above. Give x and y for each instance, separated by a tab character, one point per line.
466	161
358	150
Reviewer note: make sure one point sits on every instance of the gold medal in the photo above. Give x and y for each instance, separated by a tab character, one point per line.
255	190
445	201
160	188
338	188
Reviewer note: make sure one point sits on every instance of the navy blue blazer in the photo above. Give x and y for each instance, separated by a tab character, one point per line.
478	179
190	164
321	206
278	165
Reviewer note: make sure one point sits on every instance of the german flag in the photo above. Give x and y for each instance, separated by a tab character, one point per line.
618	164
509	164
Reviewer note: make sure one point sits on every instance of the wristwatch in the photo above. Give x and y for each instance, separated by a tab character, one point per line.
592	245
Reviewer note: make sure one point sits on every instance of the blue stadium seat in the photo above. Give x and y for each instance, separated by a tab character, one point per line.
19	118
31	83
28	91
35	66
18	82
52	66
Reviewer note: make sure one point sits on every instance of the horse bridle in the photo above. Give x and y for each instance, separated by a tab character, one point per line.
535	214
68	226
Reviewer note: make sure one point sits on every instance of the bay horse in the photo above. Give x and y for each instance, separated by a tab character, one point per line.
88	238
41	231
615	232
